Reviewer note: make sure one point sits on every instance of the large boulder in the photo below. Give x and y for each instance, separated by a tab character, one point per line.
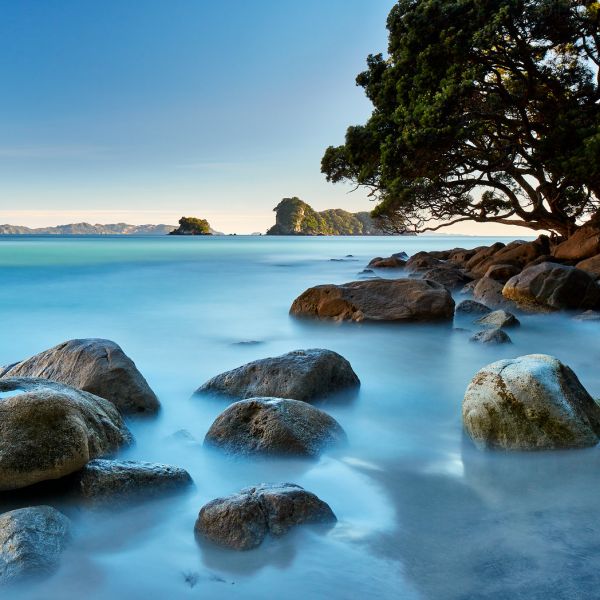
422	261
108	482
499	318
391	262
243	520
470	307
501	272
532	402
448	277
590	265
489	291
49	430
517	253
482	254
96	366
585	242
554	286
274	426
491	336
31	542
377	300
301	375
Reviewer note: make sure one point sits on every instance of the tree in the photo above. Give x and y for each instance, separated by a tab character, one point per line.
484	110
192	226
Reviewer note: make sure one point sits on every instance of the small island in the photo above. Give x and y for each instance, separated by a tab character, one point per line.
296	217
192	226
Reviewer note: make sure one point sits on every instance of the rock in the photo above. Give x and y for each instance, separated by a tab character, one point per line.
489	291
590	265
469	288
243	520
104	481
301	375
392	262
96	366
51	430
460	256
588	315
471	307
448	277
31	542
423	261
400	255
499	318
584	243
491	336
377	300
502	272
517	253
532	402
555	286
274	426
483	254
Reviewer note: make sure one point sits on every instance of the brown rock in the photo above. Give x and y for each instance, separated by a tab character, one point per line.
377	300
590	265
489	291
502	272
517	253
483	254
391	262
584	243
450	278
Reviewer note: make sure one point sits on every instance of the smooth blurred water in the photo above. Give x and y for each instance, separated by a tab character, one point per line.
422	514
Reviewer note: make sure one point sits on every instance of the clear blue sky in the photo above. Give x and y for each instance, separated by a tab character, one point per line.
146	110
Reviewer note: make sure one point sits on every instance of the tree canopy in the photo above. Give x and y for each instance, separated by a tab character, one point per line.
192	226
484	110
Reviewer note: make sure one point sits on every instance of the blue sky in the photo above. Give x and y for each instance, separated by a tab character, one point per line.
143	111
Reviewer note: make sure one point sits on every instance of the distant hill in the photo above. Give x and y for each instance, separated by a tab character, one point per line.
295	217
88	229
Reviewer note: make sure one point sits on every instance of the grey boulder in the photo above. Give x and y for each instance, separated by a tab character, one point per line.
49	430
532	402
301	375
274	426
472	307
31	542
96	366
491	336
243	520
499	318
108	482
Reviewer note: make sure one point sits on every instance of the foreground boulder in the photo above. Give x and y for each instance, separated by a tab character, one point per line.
300	375
590	265
532	402
108	482
499	318
243	520
377	300
49	430
96	366
274	426
555	286
31	542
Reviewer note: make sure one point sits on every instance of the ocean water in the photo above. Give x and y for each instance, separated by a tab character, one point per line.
422	514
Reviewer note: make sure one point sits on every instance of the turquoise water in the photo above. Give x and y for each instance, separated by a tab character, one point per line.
421	513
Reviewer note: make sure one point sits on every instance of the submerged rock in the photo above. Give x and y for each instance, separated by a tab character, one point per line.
472	307
51	430
105	482
96	366
243	520
499	318
31	542
274	426
491	336
554	286
588	315
380	300
532	402
301	375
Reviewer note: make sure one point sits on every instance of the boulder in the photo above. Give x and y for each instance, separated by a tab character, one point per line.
301	375
532	402
31	542
106	482
468	289
274	426
590	265
448	277
392	262
401	255
483	254
422	261
499	318
96	366
491	336
502	272
460	256
243	520
49	430
377	300
489	291
584	243
517	254
472	307
554	286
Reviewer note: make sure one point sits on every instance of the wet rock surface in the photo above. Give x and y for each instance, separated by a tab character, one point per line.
274	426
532	402
472	307
243	520
301	375
491	336
499	318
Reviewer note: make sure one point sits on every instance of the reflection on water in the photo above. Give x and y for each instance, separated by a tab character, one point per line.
422	514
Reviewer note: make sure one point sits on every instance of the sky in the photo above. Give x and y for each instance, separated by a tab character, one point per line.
144	111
